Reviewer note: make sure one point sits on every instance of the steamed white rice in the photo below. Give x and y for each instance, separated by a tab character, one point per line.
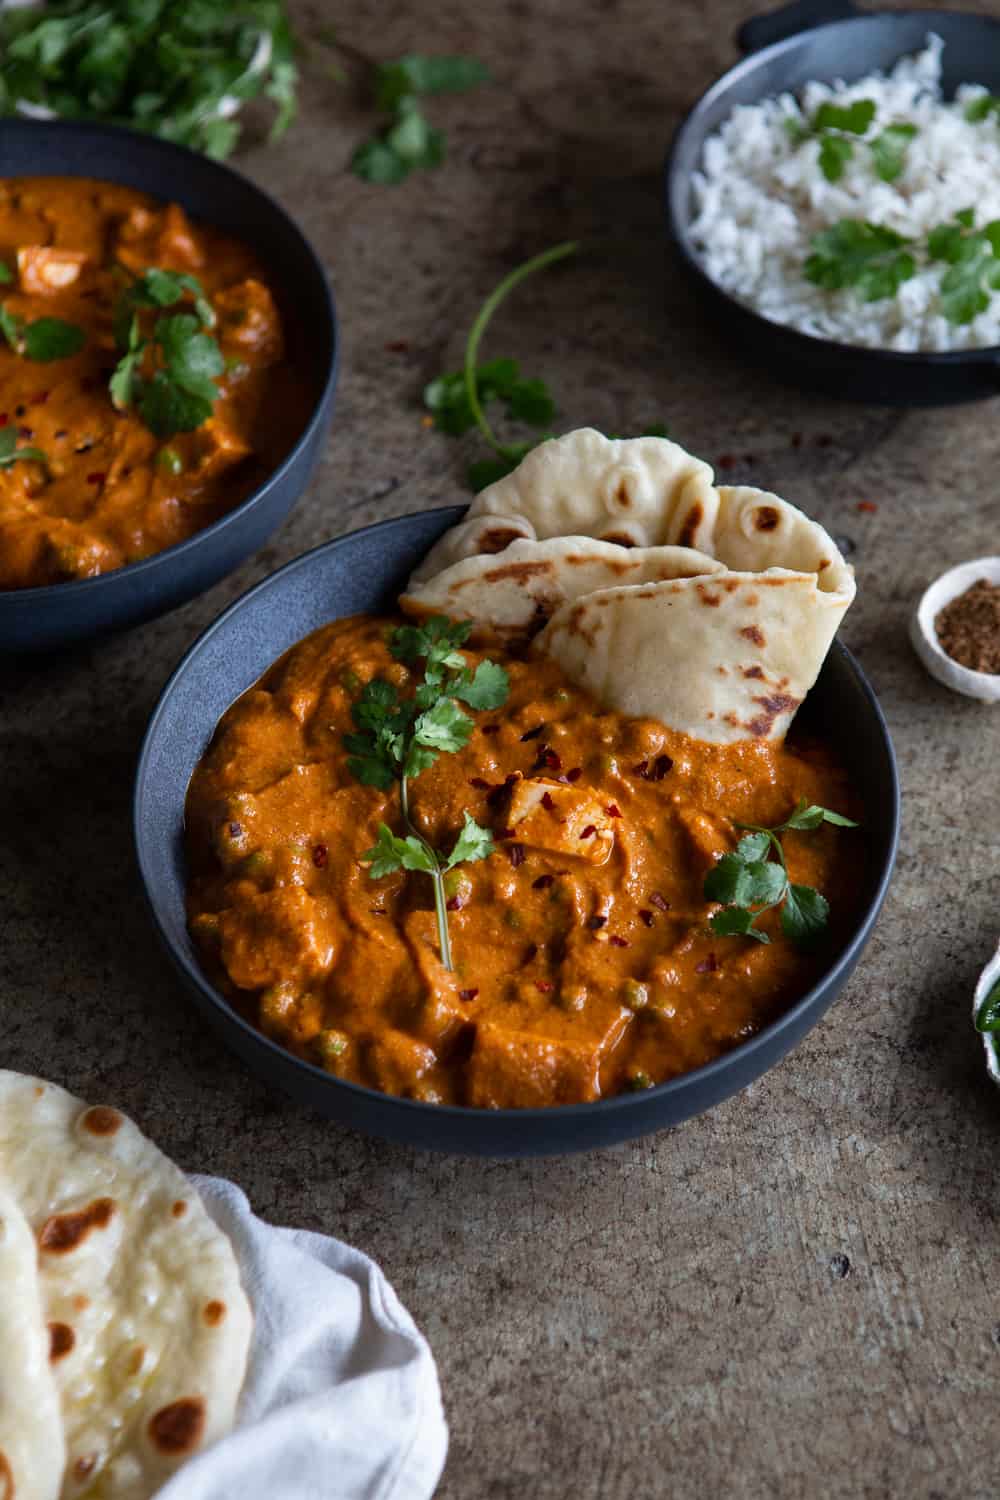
760	198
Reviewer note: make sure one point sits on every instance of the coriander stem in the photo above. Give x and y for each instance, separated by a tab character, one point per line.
440	907
489	307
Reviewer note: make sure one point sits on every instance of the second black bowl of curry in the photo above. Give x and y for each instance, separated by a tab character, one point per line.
364	572
66	613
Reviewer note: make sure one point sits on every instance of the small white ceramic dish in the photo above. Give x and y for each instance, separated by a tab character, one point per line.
982	685
987	979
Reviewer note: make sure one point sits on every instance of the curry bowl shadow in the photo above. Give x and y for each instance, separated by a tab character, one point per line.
66	614
365	571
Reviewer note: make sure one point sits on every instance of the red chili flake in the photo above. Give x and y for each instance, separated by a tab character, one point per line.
727	461
613	810
98	477
619	942
38	400
398	346
320	856
377	911
645	916
516	853
494	798
642	769
867	505
575	774
547	760
655	899
547	801
596	921
504	833
545	985
707	966
26	432
661	766
532	734
4	418
543	882
235	830
491	729
467	994
454	903
589	831
479	783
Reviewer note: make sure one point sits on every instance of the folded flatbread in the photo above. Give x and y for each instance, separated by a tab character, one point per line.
150	1328
514	594
32	1449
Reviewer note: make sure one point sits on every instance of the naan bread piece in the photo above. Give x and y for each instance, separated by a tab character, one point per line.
155	1327
515	593
636	492
32	1448
755	530
723	659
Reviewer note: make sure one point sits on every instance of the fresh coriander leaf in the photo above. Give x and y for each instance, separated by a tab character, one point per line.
6	274
391	853
487	689
8	441
973	257
981	108
11	326
806	815
418	74
752	847
486	471
52	338
804	915
443	727
889	150
856	253
167	408
376	162
473	843
767	882
988	1014
10	453
966	216
530	401
281	90
855	117
123	384
736	921
192	359
728	882
796	129
414	140
835	151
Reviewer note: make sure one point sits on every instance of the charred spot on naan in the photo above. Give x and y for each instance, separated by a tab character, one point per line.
689	529
101	1120
766	518
753	633
177	1429
7	1490
84	1467
497	538
62	1233
61	1341
213	1312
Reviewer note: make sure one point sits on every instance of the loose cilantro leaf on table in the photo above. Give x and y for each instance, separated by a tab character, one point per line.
10	453
175	69
169	365
973	259
396	738
410	142
748	882
856	253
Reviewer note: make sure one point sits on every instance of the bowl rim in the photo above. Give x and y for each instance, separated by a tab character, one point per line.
43	594
940	592
841	965
987	354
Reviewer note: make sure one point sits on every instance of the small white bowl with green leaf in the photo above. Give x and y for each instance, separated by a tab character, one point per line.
986	1013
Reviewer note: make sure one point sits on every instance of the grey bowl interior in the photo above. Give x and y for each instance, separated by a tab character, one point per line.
846	49
64	614
365	571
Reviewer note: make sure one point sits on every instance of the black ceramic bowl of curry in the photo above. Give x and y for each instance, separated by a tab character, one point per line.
131	498
424	1083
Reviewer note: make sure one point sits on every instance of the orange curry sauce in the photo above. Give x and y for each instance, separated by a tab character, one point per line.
574	979
106	496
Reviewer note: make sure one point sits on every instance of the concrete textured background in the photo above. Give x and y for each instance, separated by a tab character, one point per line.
795	1295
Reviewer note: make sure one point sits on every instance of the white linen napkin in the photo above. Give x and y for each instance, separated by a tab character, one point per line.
341	1400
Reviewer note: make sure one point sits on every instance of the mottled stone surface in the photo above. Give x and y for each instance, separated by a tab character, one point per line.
797	1294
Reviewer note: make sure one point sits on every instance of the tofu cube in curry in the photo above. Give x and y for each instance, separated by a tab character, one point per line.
560	819
44	271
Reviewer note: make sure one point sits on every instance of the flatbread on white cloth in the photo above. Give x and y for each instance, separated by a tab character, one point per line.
517	592
341	1400
32	1449
724	655
154	1326
636	492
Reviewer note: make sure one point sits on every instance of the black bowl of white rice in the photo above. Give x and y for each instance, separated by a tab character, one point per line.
837	197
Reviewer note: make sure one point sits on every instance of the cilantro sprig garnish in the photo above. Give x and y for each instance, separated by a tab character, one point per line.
43	339
856	253
410	142
176	69
973	259
836	127
169	364
396	739
748	882
11	454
